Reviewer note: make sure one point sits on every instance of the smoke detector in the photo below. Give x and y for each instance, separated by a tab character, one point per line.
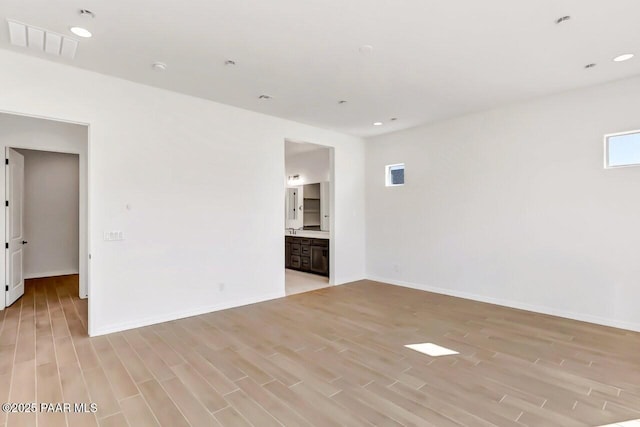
159	66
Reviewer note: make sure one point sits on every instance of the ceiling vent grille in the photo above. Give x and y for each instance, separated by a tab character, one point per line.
42	40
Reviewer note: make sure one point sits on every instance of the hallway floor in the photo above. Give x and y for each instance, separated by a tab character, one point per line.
297	282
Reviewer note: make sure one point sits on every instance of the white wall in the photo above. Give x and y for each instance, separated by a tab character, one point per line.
312	166
51	212
513	206
38	134
203	183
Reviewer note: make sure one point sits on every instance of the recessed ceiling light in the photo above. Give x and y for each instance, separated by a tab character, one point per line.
81	32
624	57
159	66
366	49
590	66
377	123
265	97
563	19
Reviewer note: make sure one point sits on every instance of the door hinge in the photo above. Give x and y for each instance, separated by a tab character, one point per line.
6	203
6	287
6	245
6	161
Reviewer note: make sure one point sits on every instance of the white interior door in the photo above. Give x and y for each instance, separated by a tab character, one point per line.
14	226
325	197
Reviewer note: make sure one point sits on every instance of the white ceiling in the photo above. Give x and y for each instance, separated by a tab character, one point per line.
432	59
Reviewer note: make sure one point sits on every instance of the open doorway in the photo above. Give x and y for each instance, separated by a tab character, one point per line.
308	216
46	211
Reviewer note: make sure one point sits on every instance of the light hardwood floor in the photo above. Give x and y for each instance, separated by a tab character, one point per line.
329	357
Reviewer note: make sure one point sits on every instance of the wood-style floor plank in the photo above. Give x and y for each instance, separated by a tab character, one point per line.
137	412
192	409
330	357
161	404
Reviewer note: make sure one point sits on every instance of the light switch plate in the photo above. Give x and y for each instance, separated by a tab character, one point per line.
113	235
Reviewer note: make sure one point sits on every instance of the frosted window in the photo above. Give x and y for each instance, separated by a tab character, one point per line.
623	149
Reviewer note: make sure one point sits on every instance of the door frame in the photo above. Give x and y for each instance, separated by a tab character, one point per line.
84	197
332	205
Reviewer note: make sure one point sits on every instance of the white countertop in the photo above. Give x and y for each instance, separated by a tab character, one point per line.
308	233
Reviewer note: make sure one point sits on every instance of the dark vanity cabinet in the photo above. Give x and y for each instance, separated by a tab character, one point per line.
306	254
287	254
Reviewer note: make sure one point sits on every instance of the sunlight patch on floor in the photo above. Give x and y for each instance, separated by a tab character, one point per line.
432	350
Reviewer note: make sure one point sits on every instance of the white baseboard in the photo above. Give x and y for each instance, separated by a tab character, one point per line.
621	324
346	281
138	323
50	274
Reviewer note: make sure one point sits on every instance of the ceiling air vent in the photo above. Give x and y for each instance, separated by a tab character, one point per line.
42	40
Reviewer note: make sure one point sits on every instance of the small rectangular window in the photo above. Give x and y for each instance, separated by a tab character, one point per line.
622	149
394	175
